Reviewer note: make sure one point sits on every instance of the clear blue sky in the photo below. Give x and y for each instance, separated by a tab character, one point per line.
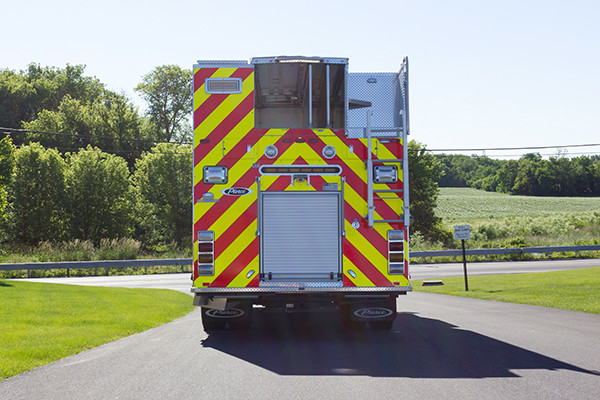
483	73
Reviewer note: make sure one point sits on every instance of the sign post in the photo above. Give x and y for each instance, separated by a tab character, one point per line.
462	233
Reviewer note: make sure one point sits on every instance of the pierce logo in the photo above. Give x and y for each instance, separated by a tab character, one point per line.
231	313
373	312
236	191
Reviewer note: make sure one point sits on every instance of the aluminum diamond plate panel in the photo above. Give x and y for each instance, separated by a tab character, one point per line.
383	91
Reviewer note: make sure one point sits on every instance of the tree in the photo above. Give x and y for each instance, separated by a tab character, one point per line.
99	195
110	123
7	168
16	97
424	171
167	90
24	94
163	187
52	84
526	181
38	195
506	176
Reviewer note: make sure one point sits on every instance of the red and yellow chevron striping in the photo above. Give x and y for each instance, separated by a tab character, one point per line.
224	135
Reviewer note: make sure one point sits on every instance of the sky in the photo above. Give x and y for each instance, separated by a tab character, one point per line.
483	74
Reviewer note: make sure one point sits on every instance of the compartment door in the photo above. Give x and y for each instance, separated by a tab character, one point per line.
300	236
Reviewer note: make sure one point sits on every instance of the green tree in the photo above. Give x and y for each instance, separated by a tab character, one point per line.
163	187
52	84
526	181
167	90
37	195
110	123
16	97
506	176
424	171
24	94
99	195
7	169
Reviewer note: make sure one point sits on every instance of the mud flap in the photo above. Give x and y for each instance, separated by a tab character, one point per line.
238	317
379	313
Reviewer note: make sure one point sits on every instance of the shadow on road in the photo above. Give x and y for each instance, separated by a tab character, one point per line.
416	347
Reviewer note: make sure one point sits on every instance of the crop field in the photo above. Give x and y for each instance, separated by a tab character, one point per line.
458	205
502	220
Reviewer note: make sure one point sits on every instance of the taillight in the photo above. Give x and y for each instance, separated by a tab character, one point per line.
396	252
206	253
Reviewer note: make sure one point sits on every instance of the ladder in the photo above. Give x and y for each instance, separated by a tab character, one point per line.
370	191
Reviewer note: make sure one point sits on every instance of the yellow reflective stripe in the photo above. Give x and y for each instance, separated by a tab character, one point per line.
215	155
223	110
200	95
234	249
241	280
359	204
361	279
365	247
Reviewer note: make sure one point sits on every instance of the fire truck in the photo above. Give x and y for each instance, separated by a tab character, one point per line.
300	198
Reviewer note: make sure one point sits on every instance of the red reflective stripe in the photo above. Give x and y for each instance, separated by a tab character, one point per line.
228	123
237	265
234	155
372	236
208	107
370	271
201	75
242	73
226	201
248	217
348	282
254	282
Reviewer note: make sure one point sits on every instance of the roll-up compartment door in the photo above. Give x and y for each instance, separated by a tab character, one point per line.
300	236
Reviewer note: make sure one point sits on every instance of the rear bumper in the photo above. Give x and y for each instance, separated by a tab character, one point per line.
299	289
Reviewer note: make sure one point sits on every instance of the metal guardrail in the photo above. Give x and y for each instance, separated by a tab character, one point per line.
512	250
107	264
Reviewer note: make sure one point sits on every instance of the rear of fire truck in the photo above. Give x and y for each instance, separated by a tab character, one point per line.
300	190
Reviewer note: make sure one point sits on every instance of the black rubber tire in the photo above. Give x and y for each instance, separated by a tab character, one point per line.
347	322
381	325
212	324
243	322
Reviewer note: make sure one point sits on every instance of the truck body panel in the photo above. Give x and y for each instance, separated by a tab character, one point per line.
300	181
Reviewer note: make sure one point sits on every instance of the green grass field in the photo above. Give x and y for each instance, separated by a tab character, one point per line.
502	220
576	290
458	205
41	323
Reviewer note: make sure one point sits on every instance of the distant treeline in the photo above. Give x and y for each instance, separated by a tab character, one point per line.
530	175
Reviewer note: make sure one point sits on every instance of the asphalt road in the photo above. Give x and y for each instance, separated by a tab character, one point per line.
440	347
182	282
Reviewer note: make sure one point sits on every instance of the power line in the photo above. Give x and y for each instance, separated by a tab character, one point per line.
589	153
518	148
112	151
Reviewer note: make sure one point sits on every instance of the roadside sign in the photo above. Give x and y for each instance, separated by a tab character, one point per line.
462	232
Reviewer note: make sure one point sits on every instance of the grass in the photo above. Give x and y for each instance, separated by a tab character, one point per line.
502	220
576	290
458	205
41	323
